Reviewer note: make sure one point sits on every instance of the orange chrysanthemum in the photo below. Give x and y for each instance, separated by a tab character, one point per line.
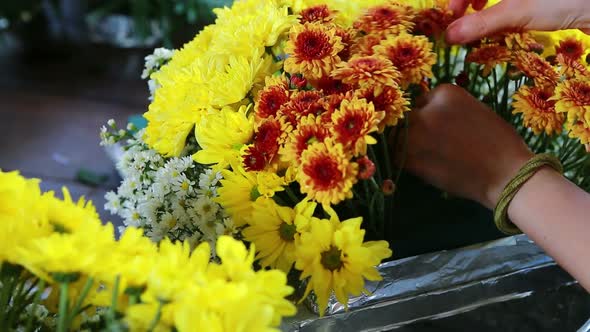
488	55
270	100
367	71
319	13
364	45
537	68
310	130
571	48
573	97
579	130
387	19
538	110
330	86
390	100
312	50
433	22
347	39
302	103
522	41
571	68
411	55
353	124
326	173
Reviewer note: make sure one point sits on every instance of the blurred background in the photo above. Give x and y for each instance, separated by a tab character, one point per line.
66	67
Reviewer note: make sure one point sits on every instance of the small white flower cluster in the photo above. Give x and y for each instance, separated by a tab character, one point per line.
153	63
168	197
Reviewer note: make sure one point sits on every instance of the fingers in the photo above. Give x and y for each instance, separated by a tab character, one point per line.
502	16
478	4
586	31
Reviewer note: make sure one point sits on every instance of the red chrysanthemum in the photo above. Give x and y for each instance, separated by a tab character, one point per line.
353	124
367	71
389	100
387	19
312	50
520	41
270	100
366	168
267	137
326	173
538	110
302	103
254	159
411	55
488	55
570	48
537	68
319	13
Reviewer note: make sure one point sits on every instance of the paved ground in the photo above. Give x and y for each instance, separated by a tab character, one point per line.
51	109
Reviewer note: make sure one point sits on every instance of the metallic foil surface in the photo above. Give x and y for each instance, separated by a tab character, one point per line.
509	285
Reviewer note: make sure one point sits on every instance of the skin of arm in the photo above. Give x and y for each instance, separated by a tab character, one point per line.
461	146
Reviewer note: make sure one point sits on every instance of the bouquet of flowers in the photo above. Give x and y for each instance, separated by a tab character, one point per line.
280	123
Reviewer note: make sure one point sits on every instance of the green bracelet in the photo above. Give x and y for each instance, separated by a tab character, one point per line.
524	174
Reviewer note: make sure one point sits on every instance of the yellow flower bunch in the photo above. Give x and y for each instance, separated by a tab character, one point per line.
158	287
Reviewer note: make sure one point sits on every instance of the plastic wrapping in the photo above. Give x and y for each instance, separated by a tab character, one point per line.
479	287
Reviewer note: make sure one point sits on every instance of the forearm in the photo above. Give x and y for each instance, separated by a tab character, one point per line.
555	214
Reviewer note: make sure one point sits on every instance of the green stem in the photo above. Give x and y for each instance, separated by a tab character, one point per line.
156	318
80	300
404	150
63	307
5	295
292	195
112	313
374	159
386	156
17	299
38	294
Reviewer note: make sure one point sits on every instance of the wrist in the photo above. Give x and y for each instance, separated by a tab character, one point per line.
541	179
505	170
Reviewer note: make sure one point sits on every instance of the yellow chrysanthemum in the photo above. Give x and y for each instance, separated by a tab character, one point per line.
411	55
23	216
326	173
353	124
221	135
235	297
538	110
332	254
81	251
489	56
573	97
312	50
248	25
240	189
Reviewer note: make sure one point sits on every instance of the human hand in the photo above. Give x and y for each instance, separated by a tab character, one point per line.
461	146
519	15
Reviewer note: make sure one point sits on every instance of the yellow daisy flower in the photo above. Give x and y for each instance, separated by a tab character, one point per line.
332	254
